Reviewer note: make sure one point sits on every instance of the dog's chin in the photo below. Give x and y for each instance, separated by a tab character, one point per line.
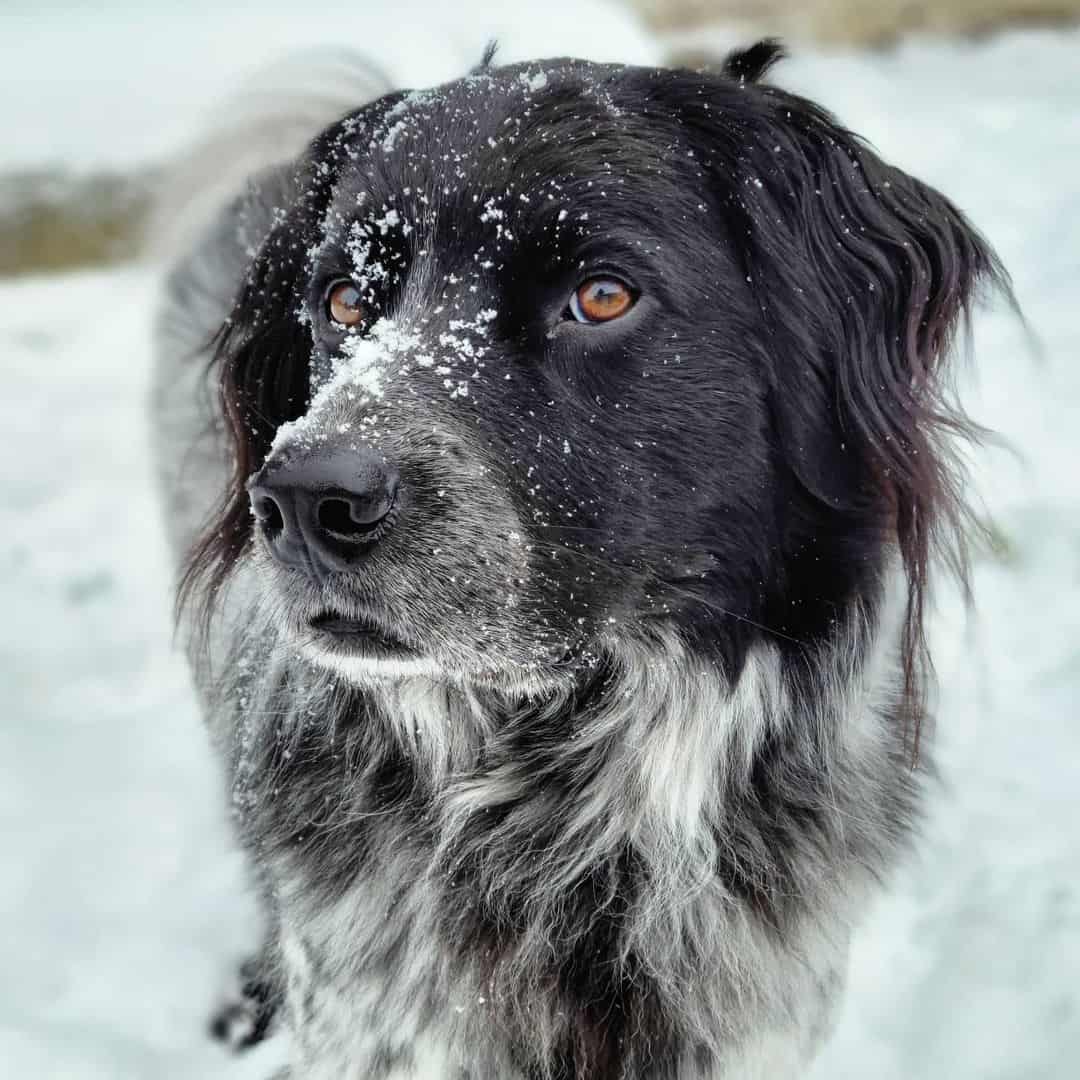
361	648
363	652
366	667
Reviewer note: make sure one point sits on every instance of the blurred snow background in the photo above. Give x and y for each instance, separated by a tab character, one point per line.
121	897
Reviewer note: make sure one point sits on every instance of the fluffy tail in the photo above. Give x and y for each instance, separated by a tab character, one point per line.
266	122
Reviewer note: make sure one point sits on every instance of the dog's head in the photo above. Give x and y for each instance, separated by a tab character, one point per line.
561	352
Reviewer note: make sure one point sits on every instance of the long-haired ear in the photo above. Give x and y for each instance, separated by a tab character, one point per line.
263	353
862	275
261	357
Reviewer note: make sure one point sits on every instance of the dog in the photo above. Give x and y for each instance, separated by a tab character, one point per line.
556	462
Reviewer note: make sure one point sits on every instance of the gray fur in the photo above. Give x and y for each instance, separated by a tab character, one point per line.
418	845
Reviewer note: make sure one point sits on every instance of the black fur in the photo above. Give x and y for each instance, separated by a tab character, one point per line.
736	463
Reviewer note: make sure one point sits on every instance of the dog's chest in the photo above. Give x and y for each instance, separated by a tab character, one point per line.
370	996
351	1027
388	961
374	992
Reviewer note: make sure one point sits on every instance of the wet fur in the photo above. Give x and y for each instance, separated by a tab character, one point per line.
620	819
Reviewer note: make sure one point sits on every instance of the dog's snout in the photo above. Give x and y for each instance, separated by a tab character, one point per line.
322	511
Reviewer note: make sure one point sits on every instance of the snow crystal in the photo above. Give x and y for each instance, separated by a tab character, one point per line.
391	136
532	83
387	221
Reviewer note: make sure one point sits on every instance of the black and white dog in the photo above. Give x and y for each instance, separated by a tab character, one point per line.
580	441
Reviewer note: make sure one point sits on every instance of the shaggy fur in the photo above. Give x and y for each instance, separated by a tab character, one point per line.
611	810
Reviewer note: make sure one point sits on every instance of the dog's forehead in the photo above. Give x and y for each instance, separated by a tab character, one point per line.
519	129
499	106
560	149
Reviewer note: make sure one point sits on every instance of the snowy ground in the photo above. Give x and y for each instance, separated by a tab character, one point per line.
121	897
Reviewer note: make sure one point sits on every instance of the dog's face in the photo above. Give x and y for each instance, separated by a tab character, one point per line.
558	353
547	346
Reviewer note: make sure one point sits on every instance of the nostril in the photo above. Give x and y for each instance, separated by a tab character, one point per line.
322	512
351	519
268	513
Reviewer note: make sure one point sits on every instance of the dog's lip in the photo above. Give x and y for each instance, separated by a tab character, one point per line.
363	631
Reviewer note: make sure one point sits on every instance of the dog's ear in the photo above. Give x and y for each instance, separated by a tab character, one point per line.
261	360
261	355
264	351
862	275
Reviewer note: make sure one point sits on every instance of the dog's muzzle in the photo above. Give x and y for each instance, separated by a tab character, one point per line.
323	511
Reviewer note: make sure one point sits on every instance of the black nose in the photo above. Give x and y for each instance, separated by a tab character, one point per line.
322	511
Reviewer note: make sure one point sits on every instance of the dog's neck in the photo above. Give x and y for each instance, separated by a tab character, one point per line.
657	738
625	812
656	718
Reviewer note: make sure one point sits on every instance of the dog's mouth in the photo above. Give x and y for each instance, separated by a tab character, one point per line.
362	635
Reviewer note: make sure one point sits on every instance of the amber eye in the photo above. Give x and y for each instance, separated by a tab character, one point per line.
343	305
601	299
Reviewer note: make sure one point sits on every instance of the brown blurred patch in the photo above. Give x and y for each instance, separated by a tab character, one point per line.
58	221
858	22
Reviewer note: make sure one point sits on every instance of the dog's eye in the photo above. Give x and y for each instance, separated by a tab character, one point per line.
601	299
343	305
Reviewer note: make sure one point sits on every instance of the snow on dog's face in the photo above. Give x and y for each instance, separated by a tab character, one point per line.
559	353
